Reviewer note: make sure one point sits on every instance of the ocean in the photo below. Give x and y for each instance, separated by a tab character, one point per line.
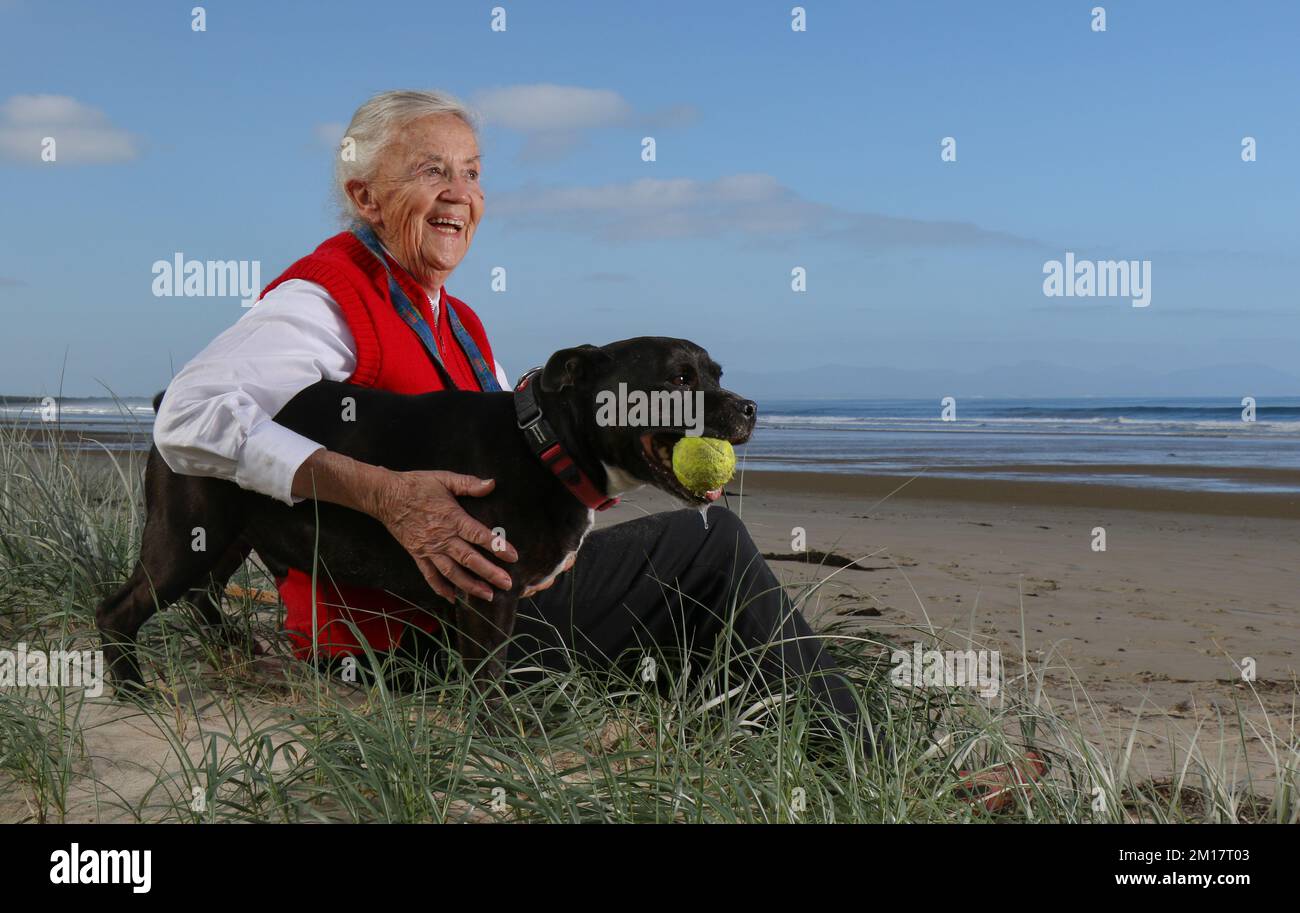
1192	443
1181	443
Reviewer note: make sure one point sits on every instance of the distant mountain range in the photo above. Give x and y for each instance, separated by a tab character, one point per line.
1024	380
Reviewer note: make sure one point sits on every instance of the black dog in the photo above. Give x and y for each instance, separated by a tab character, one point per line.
552	451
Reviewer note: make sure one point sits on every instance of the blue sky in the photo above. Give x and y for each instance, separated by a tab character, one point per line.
775	149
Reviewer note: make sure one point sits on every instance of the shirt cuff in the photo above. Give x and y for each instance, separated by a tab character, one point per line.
270	458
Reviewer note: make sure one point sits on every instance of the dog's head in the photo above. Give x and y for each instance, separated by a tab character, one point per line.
630	401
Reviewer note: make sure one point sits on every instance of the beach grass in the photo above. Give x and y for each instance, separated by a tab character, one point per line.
227	735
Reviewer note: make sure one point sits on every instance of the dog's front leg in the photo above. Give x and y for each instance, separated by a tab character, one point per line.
483	628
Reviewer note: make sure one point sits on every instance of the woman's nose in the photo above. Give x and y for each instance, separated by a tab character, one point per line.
457	191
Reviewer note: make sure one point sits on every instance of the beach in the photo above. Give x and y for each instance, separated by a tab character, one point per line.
1142	644
1153	629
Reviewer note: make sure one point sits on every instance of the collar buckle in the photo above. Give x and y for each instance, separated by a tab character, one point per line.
543	442
527	412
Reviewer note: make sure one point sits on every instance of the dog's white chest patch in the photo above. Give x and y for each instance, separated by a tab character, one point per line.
573	555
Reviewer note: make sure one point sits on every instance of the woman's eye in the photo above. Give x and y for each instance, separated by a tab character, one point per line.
473	175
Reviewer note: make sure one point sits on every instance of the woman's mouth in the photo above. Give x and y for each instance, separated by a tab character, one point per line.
447	226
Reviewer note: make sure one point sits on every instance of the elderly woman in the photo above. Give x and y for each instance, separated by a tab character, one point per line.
413	195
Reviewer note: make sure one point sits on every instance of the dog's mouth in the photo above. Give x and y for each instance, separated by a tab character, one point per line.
657	450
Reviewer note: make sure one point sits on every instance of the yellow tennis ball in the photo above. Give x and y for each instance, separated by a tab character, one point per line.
703	463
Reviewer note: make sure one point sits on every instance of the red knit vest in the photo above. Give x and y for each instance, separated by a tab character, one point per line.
390	356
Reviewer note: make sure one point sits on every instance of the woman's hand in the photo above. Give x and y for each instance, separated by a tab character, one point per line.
420	509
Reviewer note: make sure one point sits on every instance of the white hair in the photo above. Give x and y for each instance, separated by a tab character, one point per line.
372	129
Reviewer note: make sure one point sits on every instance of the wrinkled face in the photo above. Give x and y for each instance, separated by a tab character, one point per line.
608	382
424	198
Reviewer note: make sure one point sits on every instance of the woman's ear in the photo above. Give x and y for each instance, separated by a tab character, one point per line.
568	367
363	199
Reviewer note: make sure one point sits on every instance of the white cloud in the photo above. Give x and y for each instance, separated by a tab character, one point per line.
330	135
82	134
553	119
746	205
544	108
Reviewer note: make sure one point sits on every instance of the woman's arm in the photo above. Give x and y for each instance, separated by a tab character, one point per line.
216	419
420	510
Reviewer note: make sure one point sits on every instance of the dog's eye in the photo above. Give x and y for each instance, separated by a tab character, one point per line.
680	380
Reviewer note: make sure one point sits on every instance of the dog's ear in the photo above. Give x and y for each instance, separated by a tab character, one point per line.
568	367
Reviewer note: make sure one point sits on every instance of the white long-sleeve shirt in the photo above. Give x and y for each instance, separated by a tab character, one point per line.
217	417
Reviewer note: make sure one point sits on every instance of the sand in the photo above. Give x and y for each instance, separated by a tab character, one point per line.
1153	628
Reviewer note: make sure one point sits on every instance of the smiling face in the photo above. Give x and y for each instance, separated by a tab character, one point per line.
423	197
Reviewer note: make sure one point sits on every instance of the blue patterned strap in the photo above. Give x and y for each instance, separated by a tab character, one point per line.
483	372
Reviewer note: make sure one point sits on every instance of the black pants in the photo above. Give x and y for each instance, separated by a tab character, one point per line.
666	586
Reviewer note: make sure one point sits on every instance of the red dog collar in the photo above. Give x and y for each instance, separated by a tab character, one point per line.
543	442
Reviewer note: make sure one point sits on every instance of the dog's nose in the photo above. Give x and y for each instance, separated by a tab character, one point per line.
749	408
